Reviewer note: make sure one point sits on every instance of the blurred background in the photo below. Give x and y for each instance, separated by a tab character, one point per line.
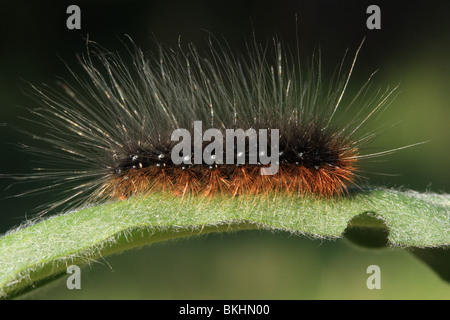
411	50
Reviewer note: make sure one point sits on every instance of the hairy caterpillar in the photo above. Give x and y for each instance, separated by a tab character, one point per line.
111	135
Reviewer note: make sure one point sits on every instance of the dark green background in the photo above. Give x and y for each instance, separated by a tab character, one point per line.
412	49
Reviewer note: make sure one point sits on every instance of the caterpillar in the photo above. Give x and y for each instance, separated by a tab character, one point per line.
112	132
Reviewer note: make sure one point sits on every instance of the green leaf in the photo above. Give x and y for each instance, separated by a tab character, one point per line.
37	252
